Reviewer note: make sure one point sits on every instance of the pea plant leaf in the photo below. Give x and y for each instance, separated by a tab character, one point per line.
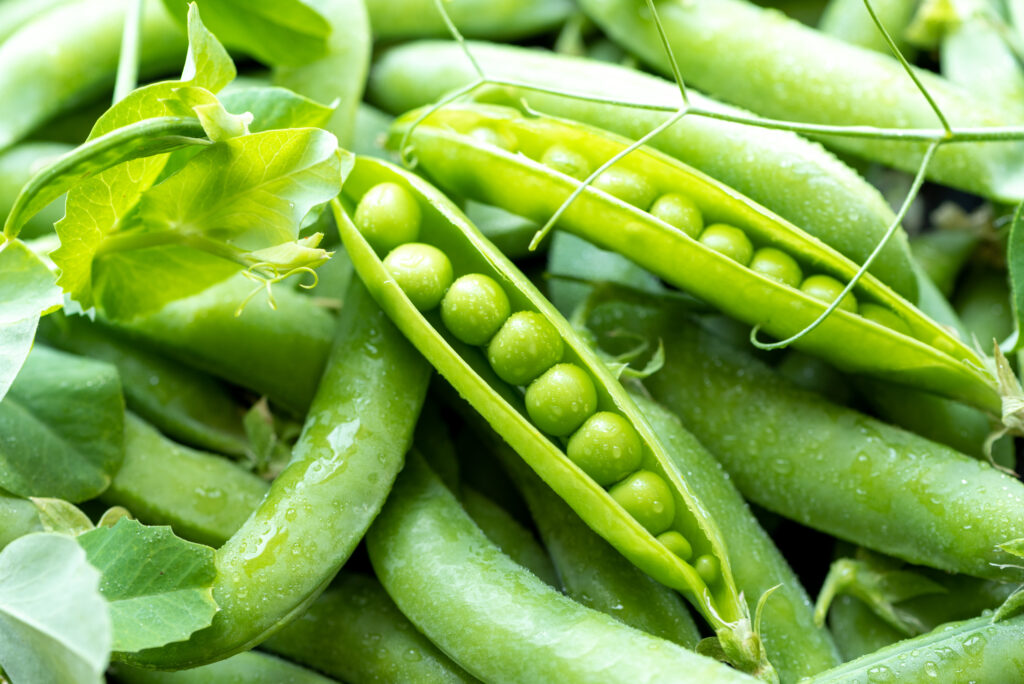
277	32
54	624
58	515
1015	265
61	427
234	205
273	107
159	586
27	290
141	139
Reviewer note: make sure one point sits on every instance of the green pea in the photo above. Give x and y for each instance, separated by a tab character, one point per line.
677	544
607	448
630	187
777	265
646	497
387	216
680	212
567	161
490	136
883	316
728	240
422	271
560	400
474	308
826	288
525	346
707	567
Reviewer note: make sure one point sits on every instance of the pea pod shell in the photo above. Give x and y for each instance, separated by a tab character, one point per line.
932	359
444	226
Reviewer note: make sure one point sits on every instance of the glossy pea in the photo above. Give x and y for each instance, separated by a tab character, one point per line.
677	544
777	265
422	271
826	288
628	186
728	240
679	211
606	447
567	160
524	347
561	399
707	567
646	497
388	216
474	308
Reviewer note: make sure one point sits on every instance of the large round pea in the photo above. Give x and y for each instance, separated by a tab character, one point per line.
676	543
777	265
680	212
474	308
630	187
728	240
566	160
883	316
387	216
826	288
422	271
524	347
560	400
607	448
707	567
647	498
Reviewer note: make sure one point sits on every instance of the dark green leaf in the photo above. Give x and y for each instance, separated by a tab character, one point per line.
274	107
160	587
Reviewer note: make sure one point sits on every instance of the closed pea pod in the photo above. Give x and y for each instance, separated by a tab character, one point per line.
929	357
665	500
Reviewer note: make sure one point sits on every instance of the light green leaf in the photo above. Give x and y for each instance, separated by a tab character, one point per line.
27	290
54	625
283	32
57	515
142	139
274	107
218	123
96	206
61	427
1015	547
160	587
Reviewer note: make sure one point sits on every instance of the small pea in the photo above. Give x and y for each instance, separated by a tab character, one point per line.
883	316
826	288
676	543
422	271
387	216
707	567
630	187
490	136
567	161
525	346
680	212
777	265
607	448
646	497
728	240
474	308
561	399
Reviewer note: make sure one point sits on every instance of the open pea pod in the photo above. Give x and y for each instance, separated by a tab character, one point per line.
642	506
697	234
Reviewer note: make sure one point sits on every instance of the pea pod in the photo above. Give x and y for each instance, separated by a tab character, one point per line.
17	166
251	667
857	630
748	56
849	21
833	468
649	508
341	470
708	248
501	20
467	596
771	167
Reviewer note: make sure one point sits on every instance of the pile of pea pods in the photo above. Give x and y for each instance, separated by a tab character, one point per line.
645	341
